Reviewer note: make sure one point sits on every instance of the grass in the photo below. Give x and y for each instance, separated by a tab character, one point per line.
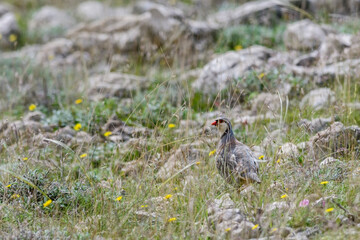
86	191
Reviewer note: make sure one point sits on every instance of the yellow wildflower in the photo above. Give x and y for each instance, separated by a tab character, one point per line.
329	210
228	229
25	159
168	196
212	152
12	38
47	203
197	163
51	57
278	161
32	107
144	206
238	47
107	134
8	186
77	127
78	101
255	227
171	125
324	182
14	196
261	157
284	196
175	189
261	75
118	198
83	155
273	230
171	219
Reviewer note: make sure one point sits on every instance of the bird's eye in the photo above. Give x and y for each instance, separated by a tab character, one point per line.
221	121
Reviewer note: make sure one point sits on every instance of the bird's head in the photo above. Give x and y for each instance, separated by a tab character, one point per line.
223	124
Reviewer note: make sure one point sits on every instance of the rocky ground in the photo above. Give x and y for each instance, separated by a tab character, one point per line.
105	109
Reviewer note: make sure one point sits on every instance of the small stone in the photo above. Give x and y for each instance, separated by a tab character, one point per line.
318	99
289	151
304	35
50	22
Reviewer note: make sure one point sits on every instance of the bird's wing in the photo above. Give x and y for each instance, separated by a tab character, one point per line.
246	165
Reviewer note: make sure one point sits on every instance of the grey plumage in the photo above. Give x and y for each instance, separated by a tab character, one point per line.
235	161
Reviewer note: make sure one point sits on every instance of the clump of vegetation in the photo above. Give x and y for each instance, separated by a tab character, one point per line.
244	36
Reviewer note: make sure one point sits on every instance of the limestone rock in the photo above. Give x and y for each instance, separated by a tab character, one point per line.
289	151
266	102
8	27
121	132
223	215
336	140
115	85
318	99
304	35
273	139
34	116
315	125
329	161
261	12
230	66
182	156
332	48
94	10
334	6
50	22
167	11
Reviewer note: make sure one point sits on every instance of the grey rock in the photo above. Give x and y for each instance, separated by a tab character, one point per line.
289	151
307	60
353	51
224	69
8	27
117	85
121	132
304	235
324	74
273	139
336	139
334	6
354	105
318	99
184	155
254	10
266	102
225	218
251	119
332	48
50	22
5	8
34	116
315	125
92	10
276	206
304	35
166	11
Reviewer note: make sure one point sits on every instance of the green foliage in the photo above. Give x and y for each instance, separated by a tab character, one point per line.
248	35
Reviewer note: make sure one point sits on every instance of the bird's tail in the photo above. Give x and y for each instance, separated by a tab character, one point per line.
254	177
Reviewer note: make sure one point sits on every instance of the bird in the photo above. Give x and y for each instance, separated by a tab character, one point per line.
235	161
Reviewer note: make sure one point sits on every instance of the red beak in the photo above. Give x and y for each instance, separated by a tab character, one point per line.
214	123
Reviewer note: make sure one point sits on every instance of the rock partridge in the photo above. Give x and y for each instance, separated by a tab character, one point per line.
234	160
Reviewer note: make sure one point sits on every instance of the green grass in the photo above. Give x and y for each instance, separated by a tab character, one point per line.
243	36
84	190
